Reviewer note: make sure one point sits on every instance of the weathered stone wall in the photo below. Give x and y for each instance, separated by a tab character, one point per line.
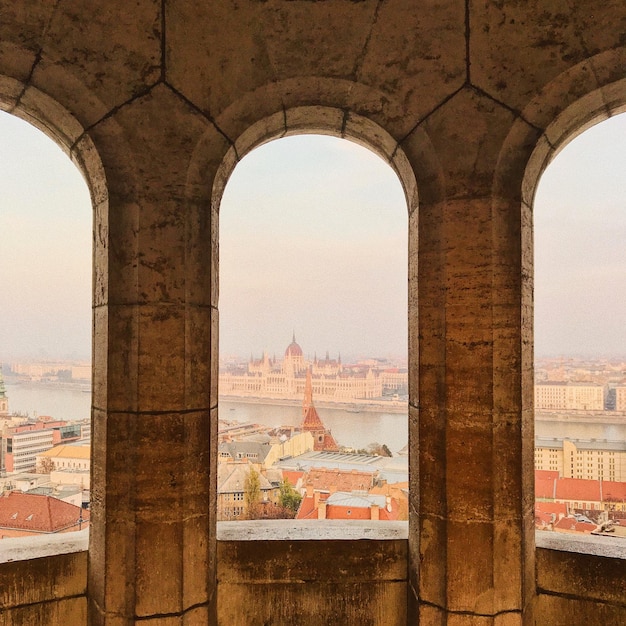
157	101
312	582
44	591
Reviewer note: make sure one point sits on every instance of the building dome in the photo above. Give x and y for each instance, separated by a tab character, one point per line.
293	349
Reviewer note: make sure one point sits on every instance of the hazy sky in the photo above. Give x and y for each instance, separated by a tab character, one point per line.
45	247
580	246
313	240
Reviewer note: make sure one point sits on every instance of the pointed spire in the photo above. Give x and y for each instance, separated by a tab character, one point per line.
293	339
308	393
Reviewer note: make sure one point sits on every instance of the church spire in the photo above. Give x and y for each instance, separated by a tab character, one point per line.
308	393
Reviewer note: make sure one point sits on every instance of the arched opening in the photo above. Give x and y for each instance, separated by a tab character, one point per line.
313	333
580	352
46	332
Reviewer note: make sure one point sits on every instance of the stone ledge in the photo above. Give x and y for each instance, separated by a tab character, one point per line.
27	548
612	547
308	530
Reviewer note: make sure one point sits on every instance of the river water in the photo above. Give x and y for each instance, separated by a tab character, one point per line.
56	401
356	430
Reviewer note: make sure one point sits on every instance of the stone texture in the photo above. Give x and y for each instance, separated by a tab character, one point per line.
258	579
157	102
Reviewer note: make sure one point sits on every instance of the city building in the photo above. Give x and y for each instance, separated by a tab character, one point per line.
332	381
312	423
620	398
232	490
574	396
24	514
52	370
319	485
590	459
65	457
580	494
344	505
20	445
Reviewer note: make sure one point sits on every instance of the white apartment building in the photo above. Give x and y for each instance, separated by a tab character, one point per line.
21	448
571	396
590	459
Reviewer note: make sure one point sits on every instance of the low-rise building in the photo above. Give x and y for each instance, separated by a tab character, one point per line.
580	494
570	396
347	505
233	491
20	445
578	458
65	457
24	514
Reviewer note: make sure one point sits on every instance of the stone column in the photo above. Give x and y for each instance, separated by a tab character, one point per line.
471	521
152	544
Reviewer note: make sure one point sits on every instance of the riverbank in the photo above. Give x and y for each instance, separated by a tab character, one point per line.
358	406
592	417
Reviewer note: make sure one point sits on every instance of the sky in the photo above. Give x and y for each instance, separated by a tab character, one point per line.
45	248
313	241
580	246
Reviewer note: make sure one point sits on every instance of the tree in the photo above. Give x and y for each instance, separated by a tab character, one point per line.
45	465
376	449
252	493
289	498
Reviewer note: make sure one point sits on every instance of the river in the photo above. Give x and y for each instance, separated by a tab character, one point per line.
356	430
349	429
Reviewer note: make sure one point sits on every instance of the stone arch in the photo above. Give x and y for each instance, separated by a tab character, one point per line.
586	94
58	123
415	166
325	121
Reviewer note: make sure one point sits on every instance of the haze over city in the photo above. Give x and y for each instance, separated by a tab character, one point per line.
313	240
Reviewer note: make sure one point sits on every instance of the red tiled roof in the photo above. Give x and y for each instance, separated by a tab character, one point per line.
307	508
550	507
323	479
292	476
330	445
334	511
613	491
549	512
38	513
546	474
569	524
545	485
578	489
312	420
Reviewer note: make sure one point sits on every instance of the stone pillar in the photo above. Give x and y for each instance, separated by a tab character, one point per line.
152	544
471	522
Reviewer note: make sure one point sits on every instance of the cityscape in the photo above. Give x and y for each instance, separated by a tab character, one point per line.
295	442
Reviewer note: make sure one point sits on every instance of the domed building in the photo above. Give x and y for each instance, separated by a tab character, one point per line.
294	362
331	380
